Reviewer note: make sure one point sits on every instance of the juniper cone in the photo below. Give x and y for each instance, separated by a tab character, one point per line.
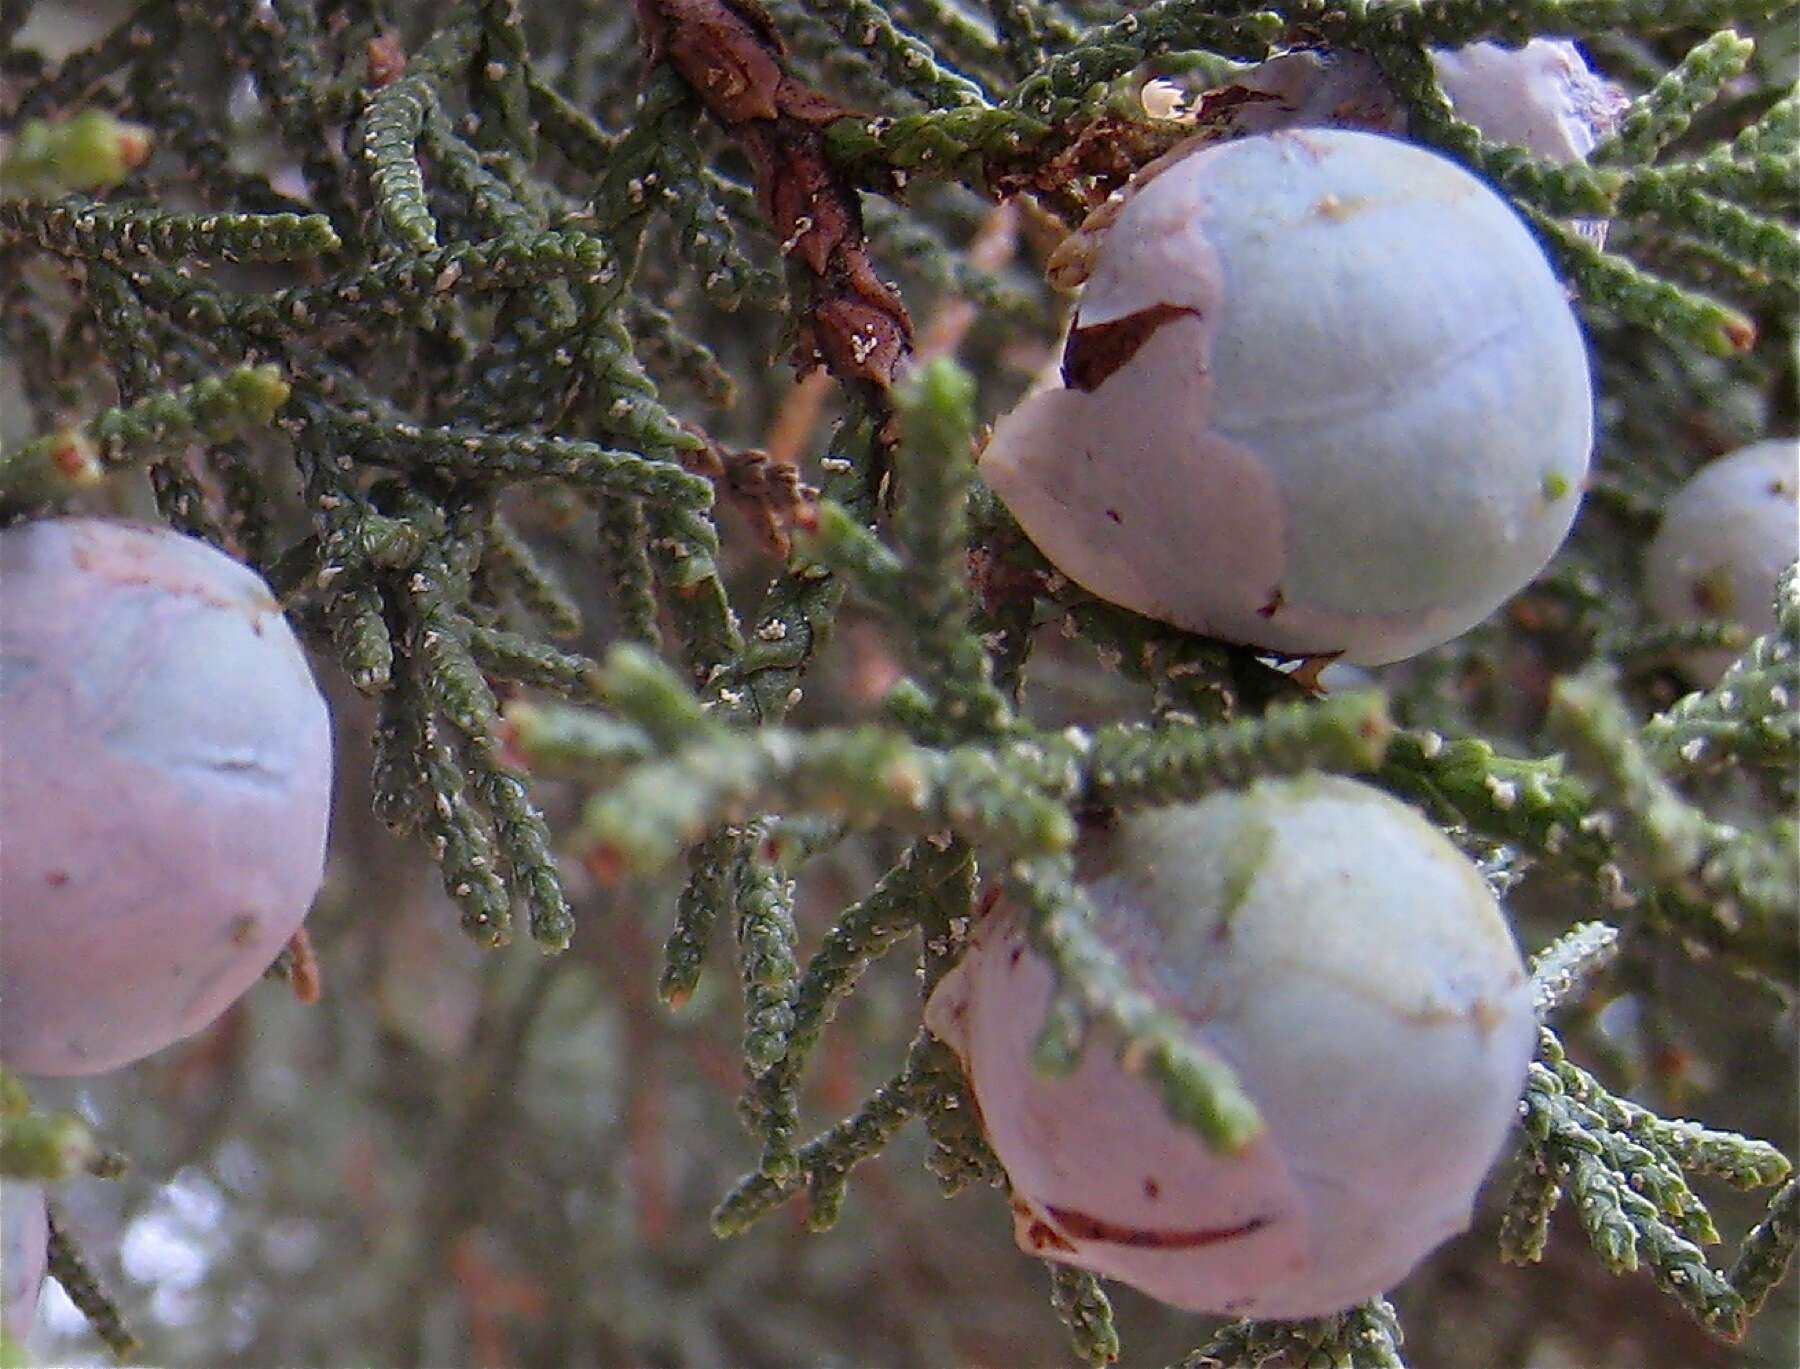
165	795
605	397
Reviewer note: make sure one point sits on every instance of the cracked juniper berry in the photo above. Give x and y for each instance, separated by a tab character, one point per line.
1323	395
1348	964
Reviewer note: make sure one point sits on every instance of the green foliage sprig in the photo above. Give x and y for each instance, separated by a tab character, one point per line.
59	464
1624	1167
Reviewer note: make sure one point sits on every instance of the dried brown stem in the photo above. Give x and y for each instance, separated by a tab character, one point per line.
730	53
304	977
767	490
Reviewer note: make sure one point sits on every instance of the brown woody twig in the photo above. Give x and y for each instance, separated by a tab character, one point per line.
730	53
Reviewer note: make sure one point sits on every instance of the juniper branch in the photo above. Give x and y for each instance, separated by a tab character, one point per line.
1562	969
1749	715
1198	1089
826	1160
1623	1225
906	58
625	554
926	589
1135	765
117	233
52	467
359	633
1525	1223
1741	1161
1082	1306
1662	114
538	586
861	775
513	656
1365	1337
1768	1249
864	932
766	936
71	1270
472	453
393	124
